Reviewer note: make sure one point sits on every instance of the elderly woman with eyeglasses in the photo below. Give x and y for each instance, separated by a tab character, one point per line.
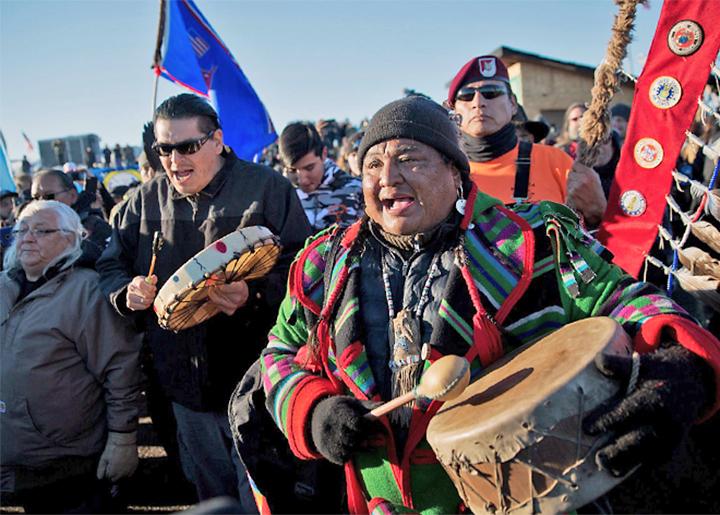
69	376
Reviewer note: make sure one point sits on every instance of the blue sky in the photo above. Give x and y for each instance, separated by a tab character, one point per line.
76	66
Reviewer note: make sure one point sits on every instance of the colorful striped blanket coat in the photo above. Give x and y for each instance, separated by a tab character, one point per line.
527	271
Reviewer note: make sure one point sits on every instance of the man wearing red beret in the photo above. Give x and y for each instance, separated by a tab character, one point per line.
501	166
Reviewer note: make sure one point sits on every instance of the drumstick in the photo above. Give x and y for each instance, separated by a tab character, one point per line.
444	380
156	245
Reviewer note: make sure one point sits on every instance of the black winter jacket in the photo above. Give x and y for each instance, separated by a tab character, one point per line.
200	366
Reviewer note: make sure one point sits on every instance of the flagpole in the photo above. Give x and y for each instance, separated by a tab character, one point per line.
155	90
157	58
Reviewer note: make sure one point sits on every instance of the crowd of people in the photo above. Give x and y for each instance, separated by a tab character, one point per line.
463	228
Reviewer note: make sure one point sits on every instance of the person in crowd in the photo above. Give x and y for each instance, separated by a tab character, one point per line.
23	185
53	184
332	133
7	220
78	176
205	193
328	194
7	208
271	158
128	156
417	278
58	146
348	153
149	161
117	154
147	172
68	370
570	132
107	156
90	157
480	94
607	161
26	167
528	130
619	117
119	192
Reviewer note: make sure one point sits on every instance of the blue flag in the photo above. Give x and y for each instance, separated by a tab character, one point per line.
6	176
195	57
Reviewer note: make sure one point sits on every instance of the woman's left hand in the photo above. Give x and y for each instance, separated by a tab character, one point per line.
120	457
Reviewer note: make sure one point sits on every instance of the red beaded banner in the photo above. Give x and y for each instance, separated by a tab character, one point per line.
685	46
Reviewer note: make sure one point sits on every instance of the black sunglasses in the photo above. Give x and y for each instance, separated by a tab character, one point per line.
488	92
49	196
184	148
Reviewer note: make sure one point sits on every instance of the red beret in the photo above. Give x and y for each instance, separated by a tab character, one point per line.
485	67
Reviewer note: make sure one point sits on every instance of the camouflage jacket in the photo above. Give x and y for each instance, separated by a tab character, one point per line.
337	199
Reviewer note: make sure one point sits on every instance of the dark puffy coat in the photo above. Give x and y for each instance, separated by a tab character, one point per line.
199	367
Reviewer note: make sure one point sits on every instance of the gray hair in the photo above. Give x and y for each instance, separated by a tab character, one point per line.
68	221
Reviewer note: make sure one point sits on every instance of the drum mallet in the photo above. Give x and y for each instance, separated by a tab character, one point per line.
156	246
446	379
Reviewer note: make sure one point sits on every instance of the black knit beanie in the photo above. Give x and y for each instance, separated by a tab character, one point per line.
419	119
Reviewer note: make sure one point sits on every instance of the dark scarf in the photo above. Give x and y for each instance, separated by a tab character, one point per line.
490	147
27	286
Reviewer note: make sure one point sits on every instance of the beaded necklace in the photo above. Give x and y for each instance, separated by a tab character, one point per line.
404	336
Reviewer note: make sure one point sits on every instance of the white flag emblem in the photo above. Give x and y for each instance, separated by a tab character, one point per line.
487	66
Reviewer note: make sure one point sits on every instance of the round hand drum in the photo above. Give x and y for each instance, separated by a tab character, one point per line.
244	254
513	441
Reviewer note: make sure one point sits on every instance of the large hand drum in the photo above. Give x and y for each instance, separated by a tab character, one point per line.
244	254
513	442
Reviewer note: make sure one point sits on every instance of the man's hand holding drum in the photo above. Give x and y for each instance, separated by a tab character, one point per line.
229	297
141	292
667	391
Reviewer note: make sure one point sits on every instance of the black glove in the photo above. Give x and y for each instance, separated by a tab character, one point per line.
674	388
338	427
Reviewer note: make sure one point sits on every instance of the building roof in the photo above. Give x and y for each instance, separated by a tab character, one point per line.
511	56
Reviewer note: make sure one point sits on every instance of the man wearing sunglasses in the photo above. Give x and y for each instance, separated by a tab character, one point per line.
514	172
54	184
205	194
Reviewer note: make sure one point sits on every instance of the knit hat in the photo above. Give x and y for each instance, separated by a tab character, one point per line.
485	67
621	110
419	119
